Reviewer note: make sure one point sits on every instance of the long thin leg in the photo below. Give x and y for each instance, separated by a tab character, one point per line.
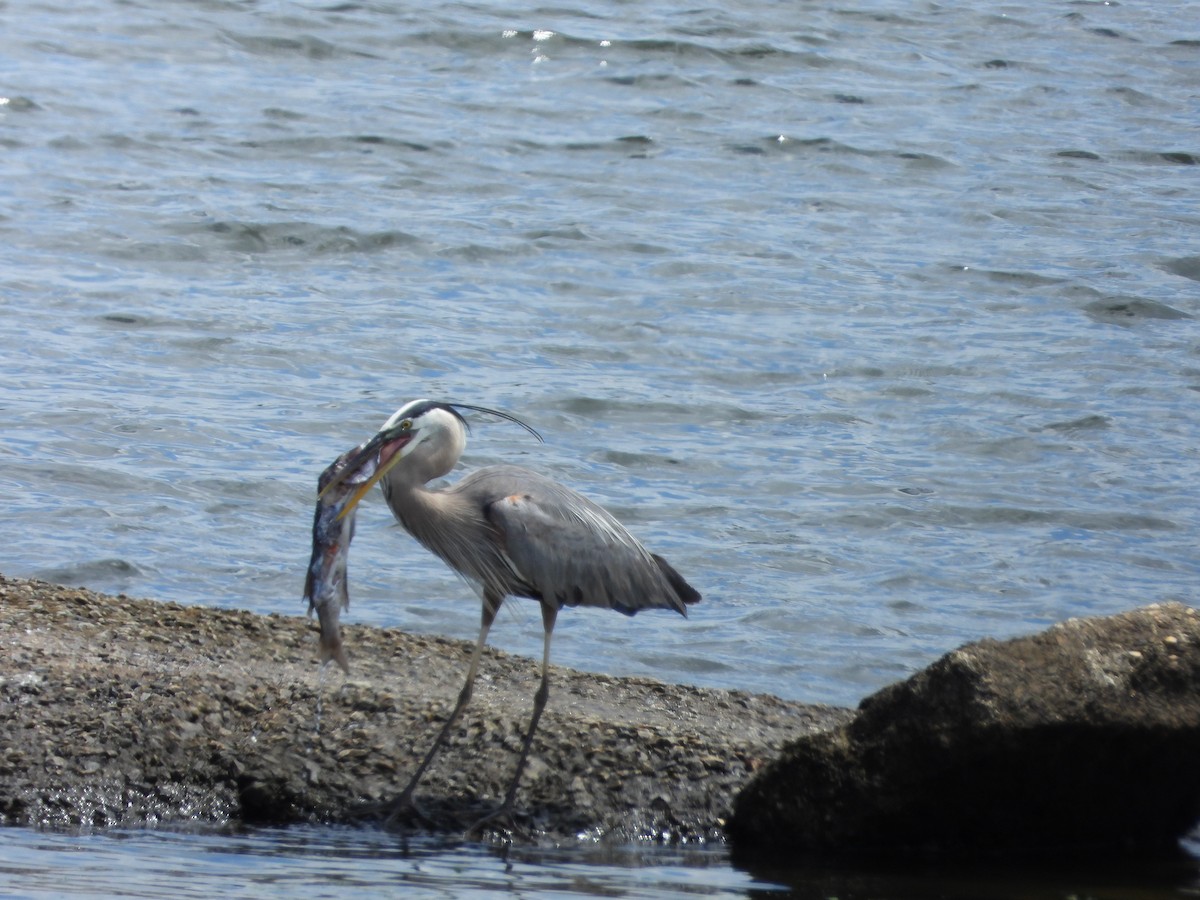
549	614
505	810
405	800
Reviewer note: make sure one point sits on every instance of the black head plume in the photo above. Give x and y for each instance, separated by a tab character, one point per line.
455	407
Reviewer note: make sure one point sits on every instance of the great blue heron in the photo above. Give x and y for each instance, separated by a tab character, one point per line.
512	532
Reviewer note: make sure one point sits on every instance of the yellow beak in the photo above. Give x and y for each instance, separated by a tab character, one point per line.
351	466
367	485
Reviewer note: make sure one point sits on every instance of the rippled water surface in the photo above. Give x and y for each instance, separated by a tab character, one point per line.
333	862
877	320
337	862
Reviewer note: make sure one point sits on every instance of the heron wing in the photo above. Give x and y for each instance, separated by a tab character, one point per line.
574	552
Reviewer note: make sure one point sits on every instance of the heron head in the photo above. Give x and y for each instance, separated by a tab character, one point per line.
435	428
409	427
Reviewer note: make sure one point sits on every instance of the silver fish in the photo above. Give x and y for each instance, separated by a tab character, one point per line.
325	586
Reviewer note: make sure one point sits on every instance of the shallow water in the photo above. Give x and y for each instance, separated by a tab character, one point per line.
305	862
339	862
877	322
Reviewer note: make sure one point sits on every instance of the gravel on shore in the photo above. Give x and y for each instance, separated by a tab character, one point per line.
125	711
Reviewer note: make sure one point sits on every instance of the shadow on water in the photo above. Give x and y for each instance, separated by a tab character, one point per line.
1174	876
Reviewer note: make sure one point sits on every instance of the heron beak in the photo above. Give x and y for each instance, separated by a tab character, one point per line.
352	465
391	449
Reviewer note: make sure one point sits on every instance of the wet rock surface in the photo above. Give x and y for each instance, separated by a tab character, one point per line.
1083	739
122	711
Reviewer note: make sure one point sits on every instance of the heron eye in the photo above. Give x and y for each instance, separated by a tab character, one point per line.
406	424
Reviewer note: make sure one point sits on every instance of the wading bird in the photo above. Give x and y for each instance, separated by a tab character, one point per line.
512	532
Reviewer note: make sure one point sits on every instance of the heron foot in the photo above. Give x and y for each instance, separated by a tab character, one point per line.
502	820
390	811
406	806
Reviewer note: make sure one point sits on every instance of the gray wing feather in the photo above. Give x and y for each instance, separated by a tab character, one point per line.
572	551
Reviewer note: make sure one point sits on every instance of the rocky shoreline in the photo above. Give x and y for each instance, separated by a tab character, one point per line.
123	711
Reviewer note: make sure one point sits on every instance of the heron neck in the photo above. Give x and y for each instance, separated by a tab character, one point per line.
423	512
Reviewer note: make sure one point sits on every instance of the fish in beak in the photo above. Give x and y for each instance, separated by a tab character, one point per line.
325	585
381	453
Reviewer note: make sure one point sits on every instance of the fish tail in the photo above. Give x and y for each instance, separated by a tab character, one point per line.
332	647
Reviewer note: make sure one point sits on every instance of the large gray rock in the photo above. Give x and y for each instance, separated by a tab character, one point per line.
1084	738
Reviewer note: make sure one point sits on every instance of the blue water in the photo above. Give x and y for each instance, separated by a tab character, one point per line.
339	862
877	321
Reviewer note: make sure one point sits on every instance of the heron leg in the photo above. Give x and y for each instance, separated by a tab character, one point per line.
549	614
405	800
505	810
